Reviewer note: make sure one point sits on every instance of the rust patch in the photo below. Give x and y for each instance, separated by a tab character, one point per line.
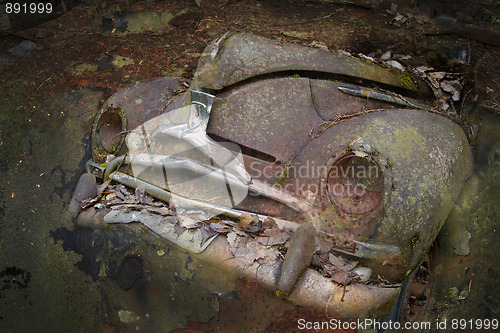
355	184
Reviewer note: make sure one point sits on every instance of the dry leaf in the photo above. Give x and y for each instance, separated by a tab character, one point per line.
231	240
188	222
274	236
341	264
248	223
220	227
269	223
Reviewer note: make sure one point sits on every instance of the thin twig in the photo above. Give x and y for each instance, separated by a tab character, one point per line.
341	118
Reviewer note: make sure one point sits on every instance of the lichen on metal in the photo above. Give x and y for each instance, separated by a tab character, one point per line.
376	183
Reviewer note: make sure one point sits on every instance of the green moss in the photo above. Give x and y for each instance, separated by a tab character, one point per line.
119	62
463	294
407	81
453	291
414	241
104	165
283	176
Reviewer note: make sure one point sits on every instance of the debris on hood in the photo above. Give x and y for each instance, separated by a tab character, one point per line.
250	238
395	64
447	87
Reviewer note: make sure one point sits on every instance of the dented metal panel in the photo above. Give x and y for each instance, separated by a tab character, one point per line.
272	116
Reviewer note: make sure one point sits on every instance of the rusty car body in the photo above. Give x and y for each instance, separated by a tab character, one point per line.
314	138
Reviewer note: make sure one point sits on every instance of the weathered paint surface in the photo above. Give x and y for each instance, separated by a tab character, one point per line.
242	56
429	158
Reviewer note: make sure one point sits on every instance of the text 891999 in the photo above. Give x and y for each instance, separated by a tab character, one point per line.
27	8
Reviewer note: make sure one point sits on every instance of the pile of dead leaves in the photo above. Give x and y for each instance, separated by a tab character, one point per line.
249	238
121	197
447	87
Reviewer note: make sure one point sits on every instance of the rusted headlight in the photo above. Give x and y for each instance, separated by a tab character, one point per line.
355	184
